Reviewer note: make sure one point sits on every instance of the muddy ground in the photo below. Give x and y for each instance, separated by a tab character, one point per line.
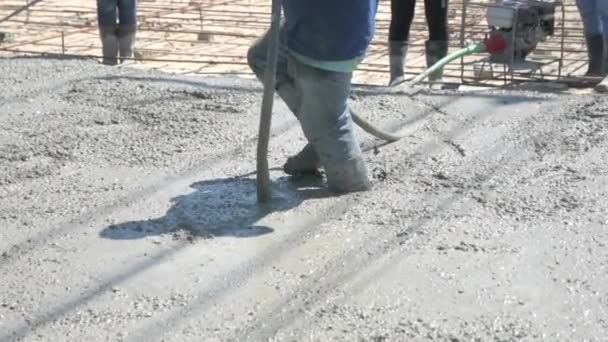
128	213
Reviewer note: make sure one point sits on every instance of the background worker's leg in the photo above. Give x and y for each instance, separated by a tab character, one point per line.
402	14
328	126
307	161
593	34
602	87
106	18
127	27
437	46
602	6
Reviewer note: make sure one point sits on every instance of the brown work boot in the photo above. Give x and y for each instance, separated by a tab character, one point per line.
306	162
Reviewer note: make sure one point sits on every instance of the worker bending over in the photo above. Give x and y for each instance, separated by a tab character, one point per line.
402	14
117	21
320	47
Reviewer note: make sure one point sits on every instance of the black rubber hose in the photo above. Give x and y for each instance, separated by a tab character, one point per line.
375	131
399	88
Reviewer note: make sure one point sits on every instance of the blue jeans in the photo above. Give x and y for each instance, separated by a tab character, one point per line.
595	16
108	10
317	97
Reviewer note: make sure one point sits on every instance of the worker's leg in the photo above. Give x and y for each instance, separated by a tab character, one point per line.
593	34
106	18
437	46
602	87
402	14
328	126
127	27
307	161
603	14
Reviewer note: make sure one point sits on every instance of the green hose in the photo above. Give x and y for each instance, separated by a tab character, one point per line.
475	48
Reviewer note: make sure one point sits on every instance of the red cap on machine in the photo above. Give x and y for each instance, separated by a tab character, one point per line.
495	43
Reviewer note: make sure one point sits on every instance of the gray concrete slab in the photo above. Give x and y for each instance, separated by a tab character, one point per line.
128	213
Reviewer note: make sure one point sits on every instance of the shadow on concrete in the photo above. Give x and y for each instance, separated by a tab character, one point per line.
221	208
288	192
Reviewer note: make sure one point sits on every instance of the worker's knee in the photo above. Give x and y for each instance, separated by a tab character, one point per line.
252	58
256	57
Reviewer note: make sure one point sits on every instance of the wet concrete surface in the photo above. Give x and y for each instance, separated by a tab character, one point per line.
128	213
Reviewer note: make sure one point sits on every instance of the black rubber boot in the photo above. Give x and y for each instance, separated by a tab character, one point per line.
595	51
435	51
306	162
348	176
605	60
602	87
109	44
126	41
397	52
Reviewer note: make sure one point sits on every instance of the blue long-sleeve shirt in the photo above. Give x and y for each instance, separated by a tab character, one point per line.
330	33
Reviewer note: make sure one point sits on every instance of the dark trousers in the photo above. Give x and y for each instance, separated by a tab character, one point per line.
109	10
402	14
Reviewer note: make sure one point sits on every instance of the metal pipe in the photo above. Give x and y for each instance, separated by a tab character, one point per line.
19	10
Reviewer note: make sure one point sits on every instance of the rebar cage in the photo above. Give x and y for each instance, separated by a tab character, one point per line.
210	37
